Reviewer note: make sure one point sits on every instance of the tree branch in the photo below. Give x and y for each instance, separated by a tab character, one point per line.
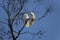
37	33
20	31
4	22
2	5
48	9
22	4
40	33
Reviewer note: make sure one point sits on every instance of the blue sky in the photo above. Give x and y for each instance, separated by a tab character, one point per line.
50	23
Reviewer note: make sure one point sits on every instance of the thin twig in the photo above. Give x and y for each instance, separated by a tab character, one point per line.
20	31
4	22
44	14
22	4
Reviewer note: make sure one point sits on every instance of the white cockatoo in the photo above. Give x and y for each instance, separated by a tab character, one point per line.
32	19
26	20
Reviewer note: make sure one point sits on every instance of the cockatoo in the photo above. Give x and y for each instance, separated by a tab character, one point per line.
32	19
26	20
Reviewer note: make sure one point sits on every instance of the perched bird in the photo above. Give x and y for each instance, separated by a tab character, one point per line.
26	20
32	19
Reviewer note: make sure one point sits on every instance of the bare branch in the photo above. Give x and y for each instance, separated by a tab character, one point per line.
4	22
22	4
4	34
20	31
40	33
2	5
44	14
37	33
11	20
34	34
